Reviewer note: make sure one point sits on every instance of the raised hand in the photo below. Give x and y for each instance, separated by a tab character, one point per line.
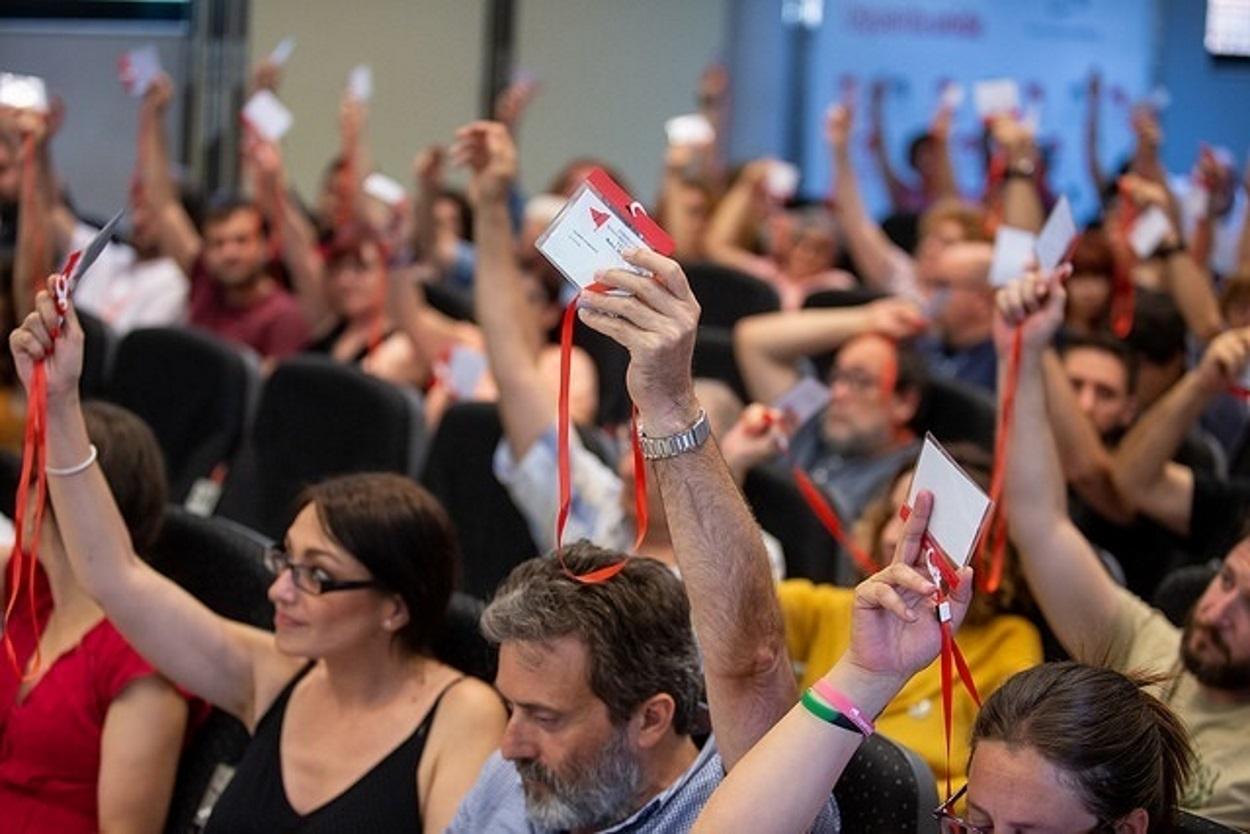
1035	303
44	336
487	150
1226	358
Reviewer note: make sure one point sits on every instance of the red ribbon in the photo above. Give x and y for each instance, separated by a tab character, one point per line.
1122	288
563	466
828	519
992	552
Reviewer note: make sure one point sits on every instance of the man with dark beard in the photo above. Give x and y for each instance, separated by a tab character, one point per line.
597	654
1208	662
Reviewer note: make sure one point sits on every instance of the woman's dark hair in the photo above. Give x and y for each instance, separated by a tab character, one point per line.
402	535
134	468
1119	747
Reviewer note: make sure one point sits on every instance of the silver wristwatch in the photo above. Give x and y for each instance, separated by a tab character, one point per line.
658	448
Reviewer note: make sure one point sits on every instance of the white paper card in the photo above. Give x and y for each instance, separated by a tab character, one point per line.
267	115
1149	231
465	367
690	129
1056	236
138	68
960	507
803	401
23	92
996	97
782	180
588	237
952	96
1013	252
381	187
360	83
282	52
1159	99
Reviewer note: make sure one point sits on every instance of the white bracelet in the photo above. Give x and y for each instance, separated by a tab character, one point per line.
76	469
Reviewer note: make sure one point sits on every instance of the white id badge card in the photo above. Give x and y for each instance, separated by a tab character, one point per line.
360	83
23	92
1149	231
1056	236
267	115
282	52
782	180
960	507
802	402
996	97
383	188
690	129
599	222
1013	251
138	68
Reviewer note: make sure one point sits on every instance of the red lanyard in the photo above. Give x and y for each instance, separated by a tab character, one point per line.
943	574
563	467
1122	288
995	175
994	546
34	461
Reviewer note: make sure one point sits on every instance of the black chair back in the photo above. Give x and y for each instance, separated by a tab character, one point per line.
726	295
195	391
810	552
461	643
99	346
1178	592
494	537
956	412
714	359
1187	823
318	418
886	789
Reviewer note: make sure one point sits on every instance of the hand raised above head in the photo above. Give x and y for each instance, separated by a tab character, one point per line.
487	150
1034	302
43	336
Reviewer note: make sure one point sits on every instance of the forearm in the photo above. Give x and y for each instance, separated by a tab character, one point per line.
944	184
728	228
1093	166
33	258
734	607
1087	465
1022	207
1155	438
1190	286
868	245
783	782
1036	498
302	258
152	164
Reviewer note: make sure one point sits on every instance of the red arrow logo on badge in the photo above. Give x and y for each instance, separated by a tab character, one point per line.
600	217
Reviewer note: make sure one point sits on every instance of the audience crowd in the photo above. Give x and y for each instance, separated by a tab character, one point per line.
688	640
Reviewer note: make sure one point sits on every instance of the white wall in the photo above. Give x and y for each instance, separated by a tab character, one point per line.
611	73
95	150
426	60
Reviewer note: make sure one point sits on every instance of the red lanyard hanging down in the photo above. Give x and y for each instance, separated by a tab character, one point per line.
563	463
942	572
25	556
1122	287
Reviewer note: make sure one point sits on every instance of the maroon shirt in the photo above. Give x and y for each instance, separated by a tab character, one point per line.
273	326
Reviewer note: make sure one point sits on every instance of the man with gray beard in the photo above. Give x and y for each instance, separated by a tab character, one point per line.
598	659
1207	664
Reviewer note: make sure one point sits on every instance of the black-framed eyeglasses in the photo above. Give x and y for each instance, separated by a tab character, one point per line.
309	578
950	823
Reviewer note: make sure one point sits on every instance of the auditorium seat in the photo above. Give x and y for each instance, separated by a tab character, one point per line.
493	535
461	643
886	789
99	347
318	418
956	412
714	359
726	295
195	391
1187	823
611	361
451	301
811	553
1179	591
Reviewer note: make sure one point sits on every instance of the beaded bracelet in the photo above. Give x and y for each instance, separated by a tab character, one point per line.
826	713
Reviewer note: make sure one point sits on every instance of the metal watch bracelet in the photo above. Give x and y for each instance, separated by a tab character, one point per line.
659	448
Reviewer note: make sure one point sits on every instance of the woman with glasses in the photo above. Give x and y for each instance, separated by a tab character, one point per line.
355	725
1058	749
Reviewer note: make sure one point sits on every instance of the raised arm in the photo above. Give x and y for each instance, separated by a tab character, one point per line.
512	346
1143	461
944	185
730	227
1093	107
228	664
769	347
296	234
1075	593
781	785
1086	462
1022	205
176	234
724	564
879	145
1243	244
36	248
874	254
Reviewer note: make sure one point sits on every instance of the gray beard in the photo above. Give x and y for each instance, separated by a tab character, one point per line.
594	794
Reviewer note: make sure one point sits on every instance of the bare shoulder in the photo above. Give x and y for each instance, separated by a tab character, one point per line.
470	702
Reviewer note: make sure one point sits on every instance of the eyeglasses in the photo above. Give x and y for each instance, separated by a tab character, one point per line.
857	381
309	578
949	823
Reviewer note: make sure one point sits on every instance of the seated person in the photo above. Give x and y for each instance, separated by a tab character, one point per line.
233	293
362	581
1090	285
91	743
1207	663
801	253
996	643
861	438
598	655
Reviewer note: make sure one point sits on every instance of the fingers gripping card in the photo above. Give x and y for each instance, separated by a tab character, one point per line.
960	507
599	222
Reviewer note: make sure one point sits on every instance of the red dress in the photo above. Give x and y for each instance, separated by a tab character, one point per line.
50	741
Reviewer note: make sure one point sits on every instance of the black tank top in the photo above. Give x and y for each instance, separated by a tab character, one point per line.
381	801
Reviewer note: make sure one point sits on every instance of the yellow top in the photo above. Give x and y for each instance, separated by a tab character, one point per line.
818	630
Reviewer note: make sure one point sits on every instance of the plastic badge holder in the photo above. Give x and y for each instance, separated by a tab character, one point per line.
599	221
23	92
